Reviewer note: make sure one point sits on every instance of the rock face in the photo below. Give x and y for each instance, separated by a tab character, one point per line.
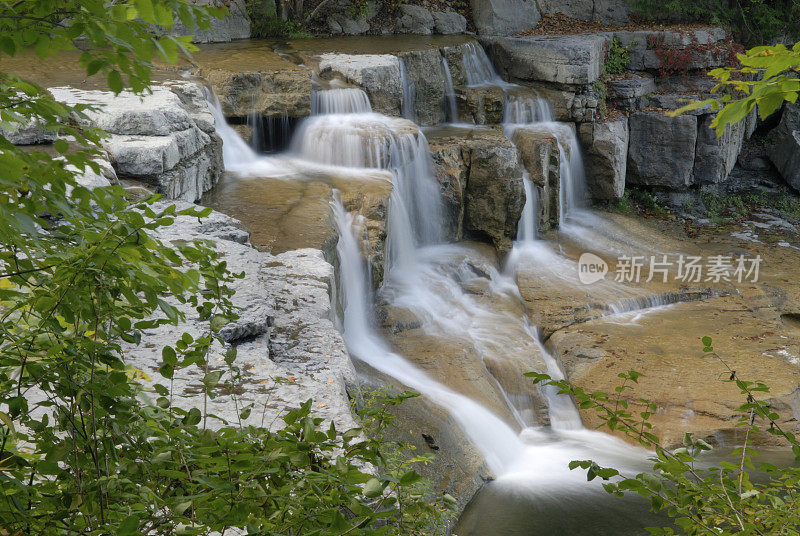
481	176
30	133
157	138
661	150
599	10
785	152
285	91
504	17
425	74
342	24
448	22
628	92
284	330
540	155
377	74
236	25
482	105
715	157
606	146
698	45
562	59
415	19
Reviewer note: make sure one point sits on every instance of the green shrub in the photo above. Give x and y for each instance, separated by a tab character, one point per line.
617	57
752	21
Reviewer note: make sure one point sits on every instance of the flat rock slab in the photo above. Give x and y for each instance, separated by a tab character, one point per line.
688	387
574	59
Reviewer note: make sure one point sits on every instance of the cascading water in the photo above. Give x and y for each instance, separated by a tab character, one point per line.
407	104
235	151
478	69
498	443
340	101
451	110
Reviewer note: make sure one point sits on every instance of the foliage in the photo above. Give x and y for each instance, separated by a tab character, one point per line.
714	500
86	446
752	21
767	78
265	22
358	9
617	57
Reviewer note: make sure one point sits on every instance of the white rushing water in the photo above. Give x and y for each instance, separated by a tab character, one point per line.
407	104
478	69
340	101
235	151
499	443
450	108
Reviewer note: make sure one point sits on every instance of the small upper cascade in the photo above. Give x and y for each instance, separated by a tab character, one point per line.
523	109
340	101
478	69
407	104
450	108
235	151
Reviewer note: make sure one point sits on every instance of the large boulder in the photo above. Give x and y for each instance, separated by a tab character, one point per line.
574	59
481	105
425	74
483	171
504	17
415	19
661	150
32	132
540	153
448	22
597	10
377	74
785	151
340	23
236	25
157	138
716	156
606	150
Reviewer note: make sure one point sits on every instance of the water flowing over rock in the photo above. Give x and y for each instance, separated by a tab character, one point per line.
340	101
157	138
425	74
377	74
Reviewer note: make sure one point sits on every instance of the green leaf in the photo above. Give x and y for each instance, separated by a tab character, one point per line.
114	81
211	379
373	488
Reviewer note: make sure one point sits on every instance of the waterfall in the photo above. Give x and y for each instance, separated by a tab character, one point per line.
451	110
377	141
523	109
527	229
497	442
340	101
478	69
407	104
235	151
256	123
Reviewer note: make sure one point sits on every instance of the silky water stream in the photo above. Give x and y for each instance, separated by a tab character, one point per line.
527	435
